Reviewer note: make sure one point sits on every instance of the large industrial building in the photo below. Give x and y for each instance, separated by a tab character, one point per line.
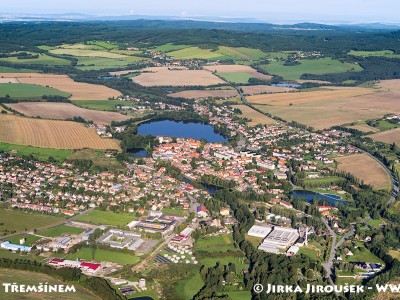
121	239
279	240
259	231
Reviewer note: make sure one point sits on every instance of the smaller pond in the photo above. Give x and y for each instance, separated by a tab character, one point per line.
310	196
138	153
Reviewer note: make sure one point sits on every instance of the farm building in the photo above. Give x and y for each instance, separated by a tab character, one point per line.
14	247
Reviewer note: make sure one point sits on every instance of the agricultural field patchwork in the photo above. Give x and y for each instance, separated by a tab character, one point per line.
366	168
66	111
196	94
43	59
51	134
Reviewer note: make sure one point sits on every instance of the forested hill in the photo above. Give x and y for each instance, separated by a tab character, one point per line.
150	32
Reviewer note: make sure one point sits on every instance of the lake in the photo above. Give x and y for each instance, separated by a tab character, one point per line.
181	130
309	196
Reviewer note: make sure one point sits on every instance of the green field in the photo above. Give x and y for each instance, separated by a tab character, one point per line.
175	211
187	288
219	243
39	153
30	239
101	104
310	66
14	220
375	223
12	255
24	90
98	63
225	260
34	278
362	254
242	53
239	295
16	70
62	229
104	255
170	47
98	158
103	44
236	77
322	180
383	53
100	217
43	59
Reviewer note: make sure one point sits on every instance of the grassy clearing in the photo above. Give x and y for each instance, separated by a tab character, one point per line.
39	153
104	255
256	241
239	295
196	52
225	260
29	239
311	66
219	243
362	254
34	278
236	77
187	288
242	53
12	255
98	158
62	229
394	253
99	63
312	250
100	217
375	223
109	105
16	221
23	90
383	53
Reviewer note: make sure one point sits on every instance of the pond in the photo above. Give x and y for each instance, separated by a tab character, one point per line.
309	196
181	130
138	153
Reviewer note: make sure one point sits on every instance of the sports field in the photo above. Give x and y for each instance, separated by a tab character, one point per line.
104	255
330	106
23	90
309	66
219	243
365	168
34	278
99	217
78	90
253	115
164	77
51	134
59	230
66	111
196	94
14	220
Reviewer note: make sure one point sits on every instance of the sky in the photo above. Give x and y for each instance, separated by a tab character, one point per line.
267	10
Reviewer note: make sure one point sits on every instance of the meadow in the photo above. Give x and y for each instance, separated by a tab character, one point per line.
99	217
29	239
62	229
64	111
42	154
104	255
219	243
170	47
43	59
309	66
187	288
14	220
98	159
365	168
51	134
237	78
109	105
382	53
35	278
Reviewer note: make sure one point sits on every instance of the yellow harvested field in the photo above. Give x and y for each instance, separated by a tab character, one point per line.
197	94
166	77
78	90
366	168
389	136
86	53
255	116
332	106
51	134
66	111
325	94
237	69
264	89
